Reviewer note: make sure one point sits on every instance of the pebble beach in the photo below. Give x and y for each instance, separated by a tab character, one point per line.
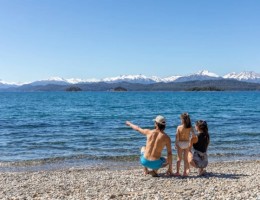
225	180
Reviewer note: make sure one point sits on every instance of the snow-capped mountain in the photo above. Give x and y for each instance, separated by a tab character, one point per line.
199	76
207	73
247	76
4	84
170	79
142	79
52	80
78	80
131	79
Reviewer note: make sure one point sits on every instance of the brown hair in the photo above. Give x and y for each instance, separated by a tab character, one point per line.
203	127
161	127
186	120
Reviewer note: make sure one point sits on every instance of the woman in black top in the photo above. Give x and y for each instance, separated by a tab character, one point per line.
199	157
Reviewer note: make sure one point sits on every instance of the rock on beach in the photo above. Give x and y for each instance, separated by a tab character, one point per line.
223	180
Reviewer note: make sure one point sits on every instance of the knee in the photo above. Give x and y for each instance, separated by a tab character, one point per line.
192	164
143	149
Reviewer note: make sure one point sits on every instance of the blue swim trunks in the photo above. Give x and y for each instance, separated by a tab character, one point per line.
152	164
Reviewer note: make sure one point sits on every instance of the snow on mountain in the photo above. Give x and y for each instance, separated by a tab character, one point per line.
199	76
207	73
63	81
74	80
4	84
170	79
248	76
156	79
231	75
129	78
52	80
140	79
78	80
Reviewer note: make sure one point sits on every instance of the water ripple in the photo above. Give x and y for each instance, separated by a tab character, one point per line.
51	126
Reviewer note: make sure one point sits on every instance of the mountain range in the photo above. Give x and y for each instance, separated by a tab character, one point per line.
205	75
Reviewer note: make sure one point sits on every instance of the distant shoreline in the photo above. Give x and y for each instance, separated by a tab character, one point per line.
220	85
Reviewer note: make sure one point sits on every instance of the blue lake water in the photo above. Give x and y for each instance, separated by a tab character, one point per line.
46	127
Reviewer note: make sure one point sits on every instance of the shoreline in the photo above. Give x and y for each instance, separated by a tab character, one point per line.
224	180
59	164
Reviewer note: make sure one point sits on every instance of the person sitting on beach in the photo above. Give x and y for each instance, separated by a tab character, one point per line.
157	139
182	143
200	142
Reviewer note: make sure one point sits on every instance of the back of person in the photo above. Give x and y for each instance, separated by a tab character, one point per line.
202	143
184	133
156	141
182	143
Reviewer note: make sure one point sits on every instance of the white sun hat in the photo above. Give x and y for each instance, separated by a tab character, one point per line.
160	119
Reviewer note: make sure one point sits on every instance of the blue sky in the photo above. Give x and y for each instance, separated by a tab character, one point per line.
104	38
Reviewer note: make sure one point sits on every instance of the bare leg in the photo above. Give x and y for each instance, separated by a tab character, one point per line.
179	157
145	169
186	163
190	159
165	164
143	149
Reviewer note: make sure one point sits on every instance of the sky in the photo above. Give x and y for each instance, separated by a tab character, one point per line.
87	39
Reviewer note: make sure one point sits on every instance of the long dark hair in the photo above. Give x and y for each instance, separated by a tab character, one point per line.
186	120
203	127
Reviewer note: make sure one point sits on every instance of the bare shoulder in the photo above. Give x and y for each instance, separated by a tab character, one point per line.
167	137
154	131
194	139
150	132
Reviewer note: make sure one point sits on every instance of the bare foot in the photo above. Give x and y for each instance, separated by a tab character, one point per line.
185	174
153	173
146	171
176	174
202	172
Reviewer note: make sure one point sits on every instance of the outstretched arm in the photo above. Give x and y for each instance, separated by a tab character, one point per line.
137	128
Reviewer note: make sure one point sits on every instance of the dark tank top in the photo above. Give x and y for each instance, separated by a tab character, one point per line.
202	144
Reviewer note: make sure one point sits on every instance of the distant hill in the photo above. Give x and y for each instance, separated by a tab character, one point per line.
223	84
119	89
204	89
73	89
204	75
